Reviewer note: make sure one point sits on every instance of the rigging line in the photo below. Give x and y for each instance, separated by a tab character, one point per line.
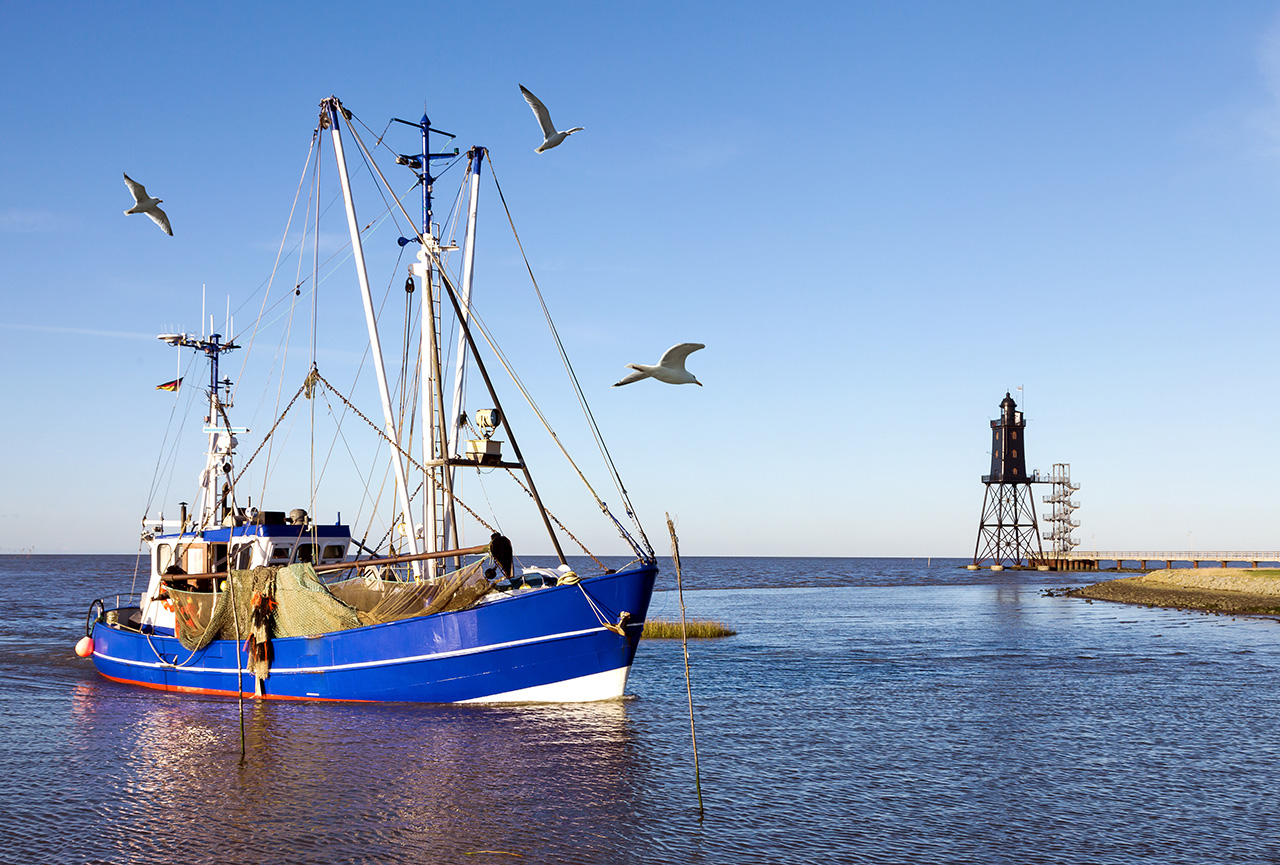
267	437
374	165
379	143
372	501
271	468
288	330
459	158
369	161
338	436
368	229
407	456
485	492
474	349
337	196
381	194
315	324
281	359
279	252
338	421
562	526
195	394
151	494
564	355
502	359
577	386
455	214
292	299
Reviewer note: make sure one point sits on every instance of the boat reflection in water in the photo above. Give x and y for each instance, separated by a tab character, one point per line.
332	782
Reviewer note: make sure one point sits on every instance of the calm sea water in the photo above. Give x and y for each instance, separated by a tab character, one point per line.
869	710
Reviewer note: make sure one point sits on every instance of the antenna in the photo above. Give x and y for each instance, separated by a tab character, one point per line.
202	298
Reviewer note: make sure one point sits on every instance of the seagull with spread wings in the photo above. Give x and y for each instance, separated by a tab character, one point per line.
669	369
549	133
143	203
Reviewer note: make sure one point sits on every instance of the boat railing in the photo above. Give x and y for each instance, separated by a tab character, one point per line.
110	615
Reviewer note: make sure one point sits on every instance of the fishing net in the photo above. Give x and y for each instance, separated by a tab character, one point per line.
388	601
292	602
302	607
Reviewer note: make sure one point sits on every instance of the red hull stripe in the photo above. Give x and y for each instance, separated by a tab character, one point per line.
217	692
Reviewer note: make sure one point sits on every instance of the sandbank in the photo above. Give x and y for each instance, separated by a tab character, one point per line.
1219	590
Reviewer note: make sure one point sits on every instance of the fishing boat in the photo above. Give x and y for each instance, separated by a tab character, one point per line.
243	600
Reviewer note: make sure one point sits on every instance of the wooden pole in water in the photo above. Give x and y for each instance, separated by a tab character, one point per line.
684	639
235	617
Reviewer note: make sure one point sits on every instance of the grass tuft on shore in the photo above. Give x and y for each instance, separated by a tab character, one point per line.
666	629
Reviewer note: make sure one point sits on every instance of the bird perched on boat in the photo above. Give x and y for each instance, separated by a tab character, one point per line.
669	369
549	133
143	203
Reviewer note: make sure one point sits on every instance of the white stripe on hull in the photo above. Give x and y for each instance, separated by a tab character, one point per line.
584	689
330	668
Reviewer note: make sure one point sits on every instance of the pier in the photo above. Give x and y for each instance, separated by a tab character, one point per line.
1092	560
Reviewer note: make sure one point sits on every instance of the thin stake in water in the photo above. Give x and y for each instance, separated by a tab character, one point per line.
235	617
675	557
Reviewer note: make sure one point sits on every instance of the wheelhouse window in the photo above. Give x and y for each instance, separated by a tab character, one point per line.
164	558
219	556
305	553
280	553
241	556
195	560
333	553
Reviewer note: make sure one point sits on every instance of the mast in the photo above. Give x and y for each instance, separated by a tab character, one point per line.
476	154
428	255
334	111
213	506
493	395
437	503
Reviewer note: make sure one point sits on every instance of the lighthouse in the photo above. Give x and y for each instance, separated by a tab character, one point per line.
1008	534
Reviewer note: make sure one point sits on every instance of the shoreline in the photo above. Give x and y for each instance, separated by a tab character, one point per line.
1214	590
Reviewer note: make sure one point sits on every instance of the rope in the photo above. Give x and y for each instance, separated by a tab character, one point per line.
308	386
562	526
414	463
598	609
573	377
279	253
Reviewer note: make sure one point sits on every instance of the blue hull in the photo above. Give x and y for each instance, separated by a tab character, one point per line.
541	644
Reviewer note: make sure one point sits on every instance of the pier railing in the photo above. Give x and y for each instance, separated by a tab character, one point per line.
1194	557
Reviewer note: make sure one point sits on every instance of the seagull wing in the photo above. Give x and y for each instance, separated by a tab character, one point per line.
632	376
135	188
160	218
539	111
674	357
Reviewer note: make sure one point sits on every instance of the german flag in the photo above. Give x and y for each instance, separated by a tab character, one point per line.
170	385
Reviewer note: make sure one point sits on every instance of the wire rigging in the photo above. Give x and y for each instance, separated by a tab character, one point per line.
573	377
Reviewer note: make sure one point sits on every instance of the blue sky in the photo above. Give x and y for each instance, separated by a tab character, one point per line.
878	217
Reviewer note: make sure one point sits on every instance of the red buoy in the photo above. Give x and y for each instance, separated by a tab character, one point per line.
84	648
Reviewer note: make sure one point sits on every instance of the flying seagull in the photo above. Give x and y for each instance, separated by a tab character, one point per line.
670	369
544	120
143	203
